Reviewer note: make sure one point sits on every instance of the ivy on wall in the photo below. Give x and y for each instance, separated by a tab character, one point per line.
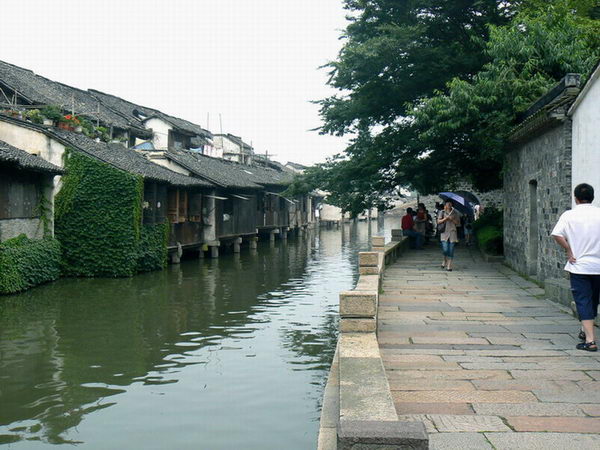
98	216
25	263
152	254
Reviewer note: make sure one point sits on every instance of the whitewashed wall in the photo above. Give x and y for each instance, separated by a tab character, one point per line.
161	129
586	137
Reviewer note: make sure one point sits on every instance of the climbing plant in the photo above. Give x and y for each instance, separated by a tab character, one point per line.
152	253
98	221
25	263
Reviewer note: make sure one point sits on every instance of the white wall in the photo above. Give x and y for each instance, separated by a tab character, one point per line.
330	212
159	158
34	142
211	150
161	129
586	139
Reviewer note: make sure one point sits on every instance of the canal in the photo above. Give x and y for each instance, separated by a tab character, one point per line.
210	354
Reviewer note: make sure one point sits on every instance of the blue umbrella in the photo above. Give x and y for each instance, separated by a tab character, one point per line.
458	201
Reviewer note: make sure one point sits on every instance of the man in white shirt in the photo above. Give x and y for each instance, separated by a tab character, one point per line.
578	232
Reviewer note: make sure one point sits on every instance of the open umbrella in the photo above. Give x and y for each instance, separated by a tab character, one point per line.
458	201
470	197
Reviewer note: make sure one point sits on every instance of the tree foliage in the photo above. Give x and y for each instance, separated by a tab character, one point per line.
463	132
431	88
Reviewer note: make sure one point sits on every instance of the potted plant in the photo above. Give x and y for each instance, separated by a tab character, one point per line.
34	116
69	122
51	114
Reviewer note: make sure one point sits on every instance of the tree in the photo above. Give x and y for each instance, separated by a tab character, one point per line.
463	133
442	82
397	51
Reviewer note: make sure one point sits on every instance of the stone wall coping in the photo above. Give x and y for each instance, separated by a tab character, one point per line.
366	411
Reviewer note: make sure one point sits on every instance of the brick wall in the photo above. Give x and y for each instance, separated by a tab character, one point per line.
546	160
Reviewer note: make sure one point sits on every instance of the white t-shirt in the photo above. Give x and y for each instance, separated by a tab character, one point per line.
580	226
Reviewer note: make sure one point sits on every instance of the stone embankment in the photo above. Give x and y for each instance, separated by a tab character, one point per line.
477	355
358	408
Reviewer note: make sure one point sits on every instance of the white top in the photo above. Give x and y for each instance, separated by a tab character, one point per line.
580	226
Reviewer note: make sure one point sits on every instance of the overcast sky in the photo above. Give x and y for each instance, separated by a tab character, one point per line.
253	61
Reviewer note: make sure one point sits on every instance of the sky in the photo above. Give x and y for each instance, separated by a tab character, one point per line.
253	63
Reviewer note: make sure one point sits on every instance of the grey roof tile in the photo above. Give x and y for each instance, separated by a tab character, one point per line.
140	113
26	161
42	91
116	155
227	173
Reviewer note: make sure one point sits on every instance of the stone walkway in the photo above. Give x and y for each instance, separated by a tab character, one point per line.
482	359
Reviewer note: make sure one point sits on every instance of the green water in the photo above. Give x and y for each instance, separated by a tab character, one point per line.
211	354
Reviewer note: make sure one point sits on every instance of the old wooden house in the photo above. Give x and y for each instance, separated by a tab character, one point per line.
167	131
233	148
22	90
167	195
230	208
26	202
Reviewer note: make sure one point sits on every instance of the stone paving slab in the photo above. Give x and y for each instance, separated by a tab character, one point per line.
483	360
528	409
558	424
543	441
463	441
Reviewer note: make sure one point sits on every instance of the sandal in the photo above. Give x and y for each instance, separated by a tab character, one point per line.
581	335
587	346
448	270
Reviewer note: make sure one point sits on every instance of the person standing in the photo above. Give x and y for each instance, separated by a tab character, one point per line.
447	223
408	229
578	233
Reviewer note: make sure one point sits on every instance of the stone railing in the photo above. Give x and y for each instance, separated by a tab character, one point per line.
358	409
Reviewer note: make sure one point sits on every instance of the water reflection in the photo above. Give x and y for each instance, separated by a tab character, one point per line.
207	354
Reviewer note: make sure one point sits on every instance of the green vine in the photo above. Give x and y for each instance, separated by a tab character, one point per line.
25	263
152	253
44	211
98	220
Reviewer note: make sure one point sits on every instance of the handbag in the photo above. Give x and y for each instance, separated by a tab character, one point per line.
441	227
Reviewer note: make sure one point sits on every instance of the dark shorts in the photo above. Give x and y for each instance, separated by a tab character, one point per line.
586	293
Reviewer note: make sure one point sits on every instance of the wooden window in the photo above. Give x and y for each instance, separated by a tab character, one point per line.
195	207
228	206
19	195
173	205
183	205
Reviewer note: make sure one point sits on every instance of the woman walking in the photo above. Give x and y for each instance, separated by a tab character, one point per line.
448	219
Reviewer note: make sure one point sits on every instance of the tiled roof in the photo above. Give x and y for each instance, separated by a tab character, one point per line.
128	160
228	173
236	140
114	154
41	91
26	161
140	113
219	171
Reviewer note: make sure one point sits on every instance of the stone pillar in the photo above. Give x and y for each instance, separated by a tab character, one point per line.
253	242
272	235
283	233
175	258
358	312
237	242
397	235
378	243
214	251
